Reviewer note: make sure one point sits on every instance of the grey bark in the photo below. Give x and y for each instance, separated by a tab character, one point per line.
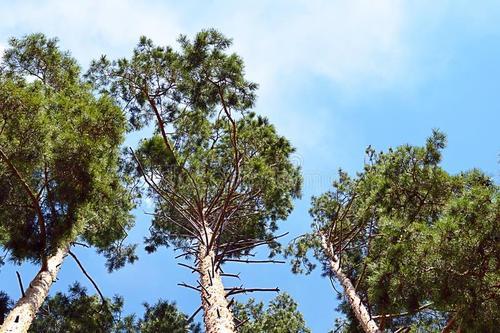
21	316
217	316
360	311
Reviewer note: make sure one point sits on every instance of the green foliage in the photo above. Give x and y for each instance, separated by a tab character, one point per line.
282	316
267	179
164	317
210	158
77	312
64	142
412	235
5	306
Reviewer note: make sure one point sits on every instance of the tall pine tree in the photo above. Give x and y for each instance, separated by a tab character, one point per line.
221	176
59	167
412	245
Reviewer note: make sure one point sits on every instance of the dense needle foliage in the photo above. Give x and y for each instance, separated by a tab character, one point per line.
281	316
211	159
59	168
5	305
76	312
420	244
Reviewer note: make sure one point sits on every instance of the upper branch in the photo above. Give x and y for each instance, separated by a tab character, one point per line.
36	204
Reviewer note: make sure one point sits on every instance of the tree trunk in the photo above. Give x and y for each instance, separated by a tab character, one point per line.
217	316
369	325
20	317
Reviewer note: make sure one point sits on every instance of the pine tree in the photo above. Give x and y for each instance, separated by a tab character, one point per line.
220	175
281	316
164	316
413	245
76	311
5	305
59	174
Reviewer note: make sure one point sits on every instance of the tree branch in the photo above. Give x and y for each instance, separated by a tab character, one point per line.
88	276
406	313
36	204
20	283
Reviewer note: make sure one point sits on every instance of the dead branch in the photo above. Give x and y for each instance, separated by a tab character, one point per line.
20	283
239	290
88	276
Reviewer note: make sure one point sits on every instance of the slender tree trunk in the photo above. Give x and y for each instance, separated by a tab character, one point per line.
360	311
21	316
217	316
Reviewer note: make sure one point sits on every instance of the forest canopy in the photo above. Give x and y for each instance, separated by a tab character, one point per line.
407	245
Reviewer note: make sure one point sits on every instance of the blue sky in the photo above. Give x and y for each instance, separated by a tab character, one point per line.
335	76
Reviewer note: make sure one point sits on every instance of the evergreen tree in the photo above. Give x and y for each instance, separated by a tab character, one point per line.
164	317
413	246
281	316
59	167
220	175
77	312
5	305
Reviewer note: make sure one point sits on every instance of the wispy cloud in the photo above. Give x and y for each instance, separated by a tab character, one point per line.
349	42
355	46
90	28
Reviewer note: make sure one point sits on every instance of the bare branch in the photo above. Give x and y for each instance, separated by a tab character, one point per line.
246	261
194	269
406	313
20	283
188	286
190	319
88	276
239	290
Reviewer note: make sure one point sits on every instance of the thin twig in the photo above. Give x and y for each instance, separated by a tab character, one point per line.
20	283
88	277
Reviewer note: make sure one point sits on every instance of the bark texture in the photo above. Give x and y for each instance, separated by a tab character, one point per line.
21	316
217	316
360	311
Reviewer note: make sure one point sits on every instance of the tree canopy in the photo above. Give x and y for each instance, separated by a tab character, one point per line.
414	247
281	316
77	311
210	158
59	144
60	175
220	175
420	244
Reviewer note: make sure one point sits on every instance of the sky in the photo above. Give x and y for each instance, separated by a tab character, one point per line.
334	76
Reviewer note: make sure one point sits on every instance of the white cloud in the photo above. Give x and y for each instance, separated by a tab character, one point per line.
93	27
351	43
356	45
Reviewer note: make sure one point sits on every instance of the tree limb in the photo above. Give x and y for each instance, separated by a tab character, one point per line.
36	204
88	276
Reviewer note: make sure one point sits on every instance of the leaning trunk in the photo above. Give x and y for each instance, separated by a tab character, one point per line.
359	309
20	317
217	316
